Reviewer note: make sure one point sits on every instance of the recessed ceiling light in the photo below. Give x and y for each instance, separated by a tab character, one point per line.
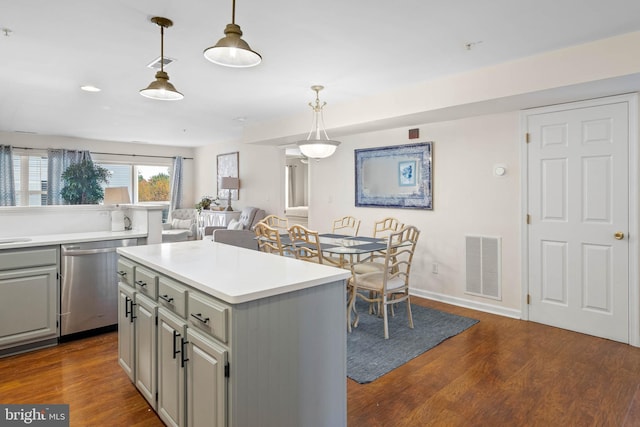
90	88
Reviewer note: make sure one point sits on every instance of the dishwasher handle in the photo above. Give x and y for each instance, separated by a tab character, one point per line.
73	251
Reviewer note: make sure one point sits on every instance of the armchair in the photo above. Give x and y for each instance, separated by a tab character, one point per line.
182	225
238	233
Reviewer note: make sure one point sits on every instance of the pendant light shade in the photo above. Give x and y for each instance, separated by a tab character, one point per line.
317	145
231	50
160	88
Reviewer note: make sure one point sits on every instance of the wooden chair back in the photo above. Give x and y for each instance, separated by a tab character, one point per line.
305	244
386	226
346	225
277	222
401	247
268	239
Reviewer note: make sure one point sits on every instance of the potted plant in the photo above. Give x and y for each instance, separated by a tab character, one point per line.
206	202
83	183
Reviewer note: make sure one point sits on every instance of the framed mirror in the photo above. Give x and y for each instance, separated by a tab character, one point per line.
398	176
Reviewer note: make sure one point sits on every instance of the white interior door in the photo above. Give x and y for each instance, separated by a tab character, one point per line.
578	203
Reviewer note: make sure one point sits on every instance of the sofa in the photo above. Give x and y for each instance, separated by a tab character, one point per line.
182	225
240	232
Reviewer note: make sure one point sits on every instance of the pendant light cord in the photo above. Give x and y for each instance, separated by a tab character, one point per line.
162	48
233	12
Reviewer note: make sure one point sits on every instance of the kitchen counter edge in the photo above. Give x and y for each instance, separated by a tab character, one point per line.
195	264
60	239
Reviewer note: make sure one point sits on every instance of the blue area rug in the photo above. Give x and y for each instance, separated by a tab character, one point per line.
370	356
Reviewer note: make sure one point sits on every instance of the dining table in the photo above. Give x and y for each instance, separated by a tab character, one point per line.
345	248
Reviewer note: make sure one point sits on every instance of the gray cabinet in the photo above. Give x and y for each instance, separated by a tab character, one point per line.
145	347
137	331
207	368
126	337
160	353
172	332
28	298
206	382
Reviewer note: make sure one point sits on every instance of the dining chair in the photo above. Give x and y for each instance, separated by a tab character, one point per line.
390	285
381	230
346	225
276	222
269	239
384	227
349	226
305	244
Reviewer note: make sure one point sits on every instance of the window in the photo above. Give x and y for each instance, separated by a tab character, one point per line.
30	176
152	183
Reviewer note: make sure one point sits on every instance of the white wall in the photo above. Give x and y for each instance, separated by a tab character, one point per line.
261	170
468	199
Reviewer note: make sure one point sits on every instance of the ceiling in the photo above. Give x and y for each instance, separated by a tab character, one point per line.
354	48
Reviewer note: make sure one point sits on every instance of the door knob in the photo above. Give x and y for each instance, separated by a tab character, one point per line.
619	235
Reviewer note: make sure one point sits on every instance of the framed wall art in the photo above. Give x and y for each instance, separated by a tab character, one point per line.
227	165
398	176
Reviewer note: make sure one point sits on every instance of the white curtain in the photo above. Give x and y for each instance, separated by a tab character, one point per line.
7	183
58	162
176	184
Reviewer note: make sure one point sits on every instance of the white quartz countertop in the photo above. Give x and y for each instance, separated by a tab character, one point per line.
60	239
229	273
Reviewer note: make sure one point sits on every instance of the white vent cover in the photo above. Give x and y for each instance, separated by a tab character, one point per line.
155	64
484	266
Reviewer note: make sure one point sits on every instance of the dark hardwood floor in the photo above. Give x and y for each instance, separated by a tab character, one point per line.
500	372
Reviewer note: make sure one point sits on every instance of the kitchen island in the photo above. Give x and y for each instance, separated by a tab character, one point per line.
242	338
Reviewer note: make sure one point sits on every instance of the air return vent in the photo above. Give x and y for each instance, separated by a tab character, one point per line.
484	266
155	64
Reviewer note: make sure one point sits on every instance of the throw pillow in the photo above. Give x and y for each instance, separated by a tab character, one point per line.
235	225
181	223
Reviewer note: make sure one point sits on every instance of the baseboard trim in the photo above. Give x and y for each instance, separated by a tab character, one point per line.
24	348
474	305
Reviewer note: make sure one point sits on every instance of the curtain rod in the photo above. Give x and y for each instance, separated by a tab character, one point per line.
117	154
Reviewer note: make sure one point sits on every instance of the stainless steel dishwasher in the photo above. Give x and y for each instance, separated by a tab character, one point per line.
89	285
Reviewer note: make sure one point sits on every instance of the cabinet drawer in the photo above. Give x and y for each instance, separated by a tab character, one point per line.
24	258
125	271
173	296
208	315
146	282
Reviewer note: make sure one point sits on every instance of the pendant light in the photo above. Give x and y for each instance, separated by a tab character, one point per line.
317	145
160	88
231	50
